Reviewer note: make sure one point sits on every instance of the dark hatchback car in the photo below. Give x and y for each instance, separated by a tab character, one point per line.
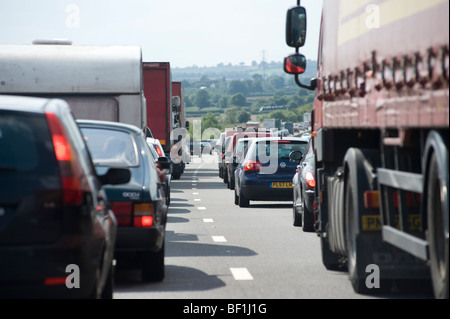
140	205
57	230
266	171
304	184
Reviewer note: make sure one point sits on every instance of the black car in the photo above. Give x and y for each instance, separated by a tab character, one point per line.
304	183
266	171
140	205
57	230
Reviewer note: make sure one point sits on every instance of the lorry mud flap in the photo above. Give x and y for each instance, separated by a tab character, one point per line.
382	268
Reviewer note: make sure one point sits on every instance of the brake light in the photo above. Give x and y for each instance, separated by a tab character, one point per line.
309	179
69	167
252	165
158	150
143	215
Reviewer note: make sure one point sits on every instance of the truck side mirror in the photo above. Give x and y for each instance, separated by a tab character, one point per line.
295	64
176	101
296	27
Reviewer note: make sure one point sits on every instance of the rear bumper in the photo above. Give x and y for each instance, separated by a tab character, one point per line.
262	190
40	271
140	238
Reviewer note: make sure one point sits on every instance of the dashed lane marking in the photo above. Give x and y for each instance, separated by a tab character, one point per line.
241	273
219	239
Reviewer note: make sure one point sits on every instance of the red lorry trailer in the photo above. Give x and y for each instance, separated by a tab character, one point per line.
381	136
157	81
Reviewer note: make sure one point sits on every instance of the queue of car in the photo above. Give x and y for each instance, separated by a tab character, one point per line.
74	196
270	167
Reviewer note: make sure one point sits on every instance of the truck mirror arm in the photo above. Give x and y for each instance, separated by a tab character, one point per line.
312	85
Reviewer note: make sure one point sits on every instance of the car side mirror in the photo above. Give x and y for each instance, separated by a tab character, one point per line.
115	176
295	156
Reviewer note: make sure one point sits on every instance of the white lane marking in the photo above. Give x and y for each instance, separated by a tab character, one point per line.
208	220
219	239
195	193
197	200
241	274
201	208
194	184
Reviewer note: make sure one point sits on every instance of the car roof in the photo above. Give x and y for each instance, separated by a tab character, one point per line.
29	104
110	125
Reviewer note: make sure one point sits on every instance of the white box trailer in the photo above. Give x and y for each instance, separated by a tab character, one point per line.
98	82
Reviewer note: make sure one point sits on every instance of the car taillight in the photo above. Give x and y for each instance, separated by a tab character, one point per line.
252	165
158	150
309	179
123	212
69	166
143	215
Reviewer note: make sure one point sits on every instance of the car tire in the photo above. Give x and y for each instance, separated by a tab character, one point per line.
153	266
243	201
307	219
236	198
297	217
225	176
108	290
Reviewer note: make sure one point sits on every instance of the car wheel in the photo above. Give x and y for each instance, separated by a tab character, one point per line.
236	198
243	201
107	292
308	219
225	176
297	217
231	183
153	266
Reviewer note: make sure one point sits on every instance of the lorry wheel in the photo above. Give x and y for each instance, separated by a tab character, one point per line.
438	244
352	253
330	260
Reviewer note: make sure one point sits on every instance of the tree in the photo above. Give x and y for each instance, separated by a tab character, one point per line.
223	102
276	82
237	86
202	99
209	121
231	115
243	117
238	99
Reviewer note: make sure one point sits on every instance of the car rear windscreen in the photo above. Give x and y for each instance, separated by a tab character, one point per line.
111	147
29	180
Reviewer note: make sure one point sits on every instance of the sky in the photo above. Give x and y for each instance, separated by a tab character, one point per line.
182	32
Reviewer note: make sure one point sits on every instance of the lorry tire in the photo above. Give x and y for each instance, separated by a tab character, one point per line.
350	235
330	260
438	244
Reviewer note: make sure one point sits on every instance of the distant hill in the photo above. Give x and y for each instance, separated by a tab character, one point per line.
238	72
